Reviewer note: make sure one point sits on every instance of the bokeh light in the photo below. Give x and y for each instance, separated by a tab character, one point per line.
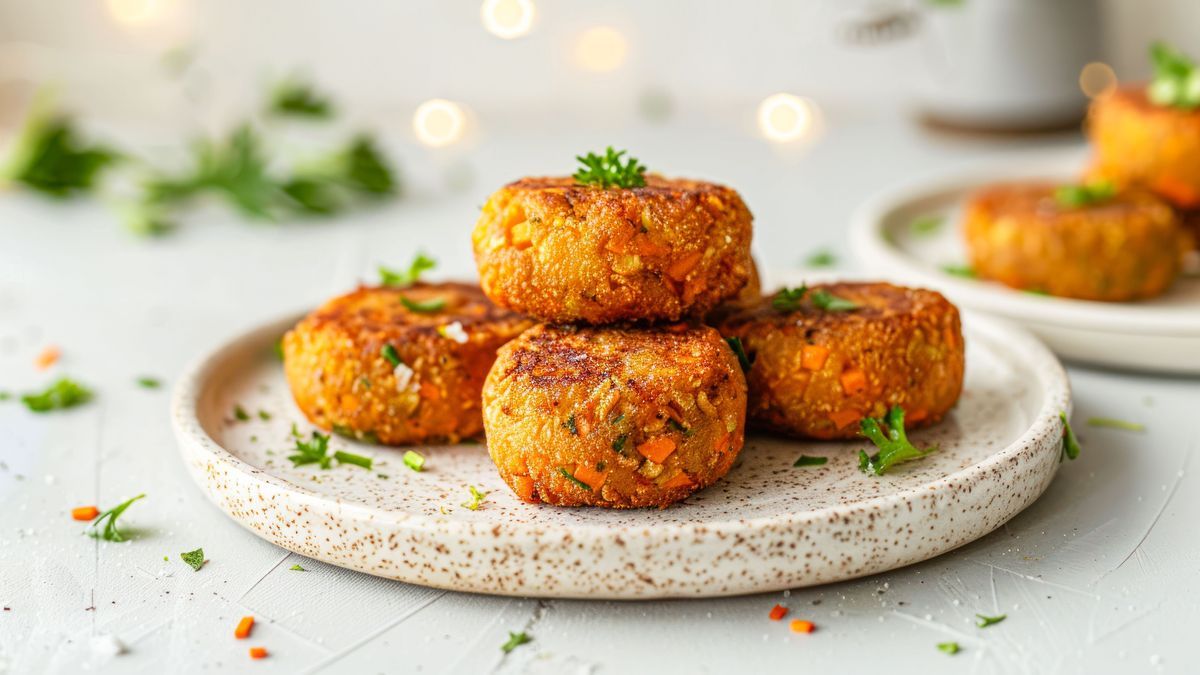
507	19
134	12
439	122
601	49
783	117
1097	80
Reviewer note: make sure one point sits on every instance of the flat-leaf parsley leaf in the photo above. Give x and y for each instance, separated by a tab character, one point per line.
894	446
420	263
109	518
64	393
788	299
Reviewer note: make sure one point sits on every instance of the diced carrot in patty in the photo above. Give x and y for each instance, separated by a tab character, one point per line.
524	488
916	415
722	442
679	480
429	392
844	418
854	382
85	513
813	357
520	234
586	474
657	449
679	269
802	626
243	628
777	613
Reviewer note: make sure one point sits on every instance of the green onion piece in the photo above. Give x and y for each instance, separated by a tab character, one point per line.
351	458
735	343
414	460
149	382
1112	423
829	302
964	271
1070	444
985	621
567	474
948	647
389	353
423	306
806	460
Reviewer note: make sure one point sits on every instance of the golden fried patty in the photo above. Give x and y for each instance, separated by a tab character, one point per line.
816	373
445	340
1123	248
563	252
1137	142
618	417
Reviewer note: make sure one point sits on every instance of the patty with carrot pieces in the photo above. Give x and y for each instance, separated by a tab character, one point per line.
398	366
1141	143
619	417
823	358
1087	241
568	253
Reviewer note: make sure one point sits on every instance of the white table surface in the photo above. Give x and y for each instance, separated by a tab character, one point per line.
1099	576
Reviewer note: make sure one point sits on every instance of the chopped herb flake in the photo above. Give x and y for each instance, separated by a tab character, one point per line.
194	558
477	498
279	348
264	415
51	156
578	483
964	271
829	302
297	568
1070	444
315	451
240	413
1093	192
515	640
806	460
351	458
1176	79
389	353
619	443
408	277
109	518
894	446
926	225
570	425
414	460
608	170
423	306
948	647
149	382
64	393
821	258
735	343
985	621
788	299
297	98
676	426
1112	423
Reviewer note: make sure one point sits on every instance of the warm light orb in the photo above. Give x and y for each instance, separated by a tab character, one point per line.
784	117
601	49
134	12
1097	80
439	122
507	19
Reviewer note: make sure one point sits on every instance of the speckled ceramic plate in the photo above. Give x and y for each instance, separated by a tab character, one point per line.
766	526
1161	334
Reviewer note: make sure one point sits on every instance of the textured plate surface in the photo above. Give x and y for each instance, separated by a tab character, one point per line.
766	526
1162	333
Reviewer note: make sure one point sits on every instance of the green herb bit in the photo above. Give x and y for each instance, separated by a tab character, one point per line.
1176	80
894	446
297	98
608	170
676	426
423	306
515	640
389	353
109	518
264	415
64	393
477	498
807	460
1092	192
414	460
1113	423
618	419
149	382
964	271
824	300
350	458
278	348
240	413
788	299
926	225
619	443
194	558
1070	444
408	277
821	258
51	156
4	395
578	483
297	568
985	621
315	451
735	343
570	425
948	647
233	168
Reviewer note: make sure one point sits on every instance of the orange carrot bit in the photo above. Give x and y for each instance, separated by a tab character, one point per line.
657	449
679	269
722	442
777	613
586	474
243	628
802	626
619	243
854	382
523	486
917	415
85	513
844	418
520	234
1176	190
813	357
680	479
429	392
258	652
47	358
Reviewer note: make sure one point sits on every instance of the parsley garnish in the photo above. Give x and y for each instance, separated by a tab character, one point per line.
297	568
50	155
829	302
1070	444
1092	192
1176	79
948	647
821	258
109	518
389	353
619	443
806	460
315	451
515	640
676	426
964	271
788	299
408	277
608	170
578	483
194	558
264	415
570	425
926	225
414	460
894	447
477	498
735	343
423	306
240	413
1112	423
351	458
295	97
985	621
64	393
149	382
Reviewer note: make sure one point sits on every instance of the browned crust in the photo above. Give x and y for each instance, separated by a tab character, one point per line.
906	342
568	253
559	397
341	381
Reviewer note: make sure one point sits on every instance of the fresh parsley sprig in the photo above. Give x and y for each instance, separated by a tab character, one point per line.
1087	194
62	394
402	278
296	97
52	157
608	170
788	299
109	518
894	446
316	451
1176	80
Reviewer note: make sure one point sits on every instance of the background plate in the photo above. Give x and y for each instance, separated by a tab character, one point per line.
766	526
1161	334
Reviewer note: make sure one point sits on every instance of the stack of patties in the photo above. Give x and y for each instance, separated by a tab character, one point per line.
621	398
